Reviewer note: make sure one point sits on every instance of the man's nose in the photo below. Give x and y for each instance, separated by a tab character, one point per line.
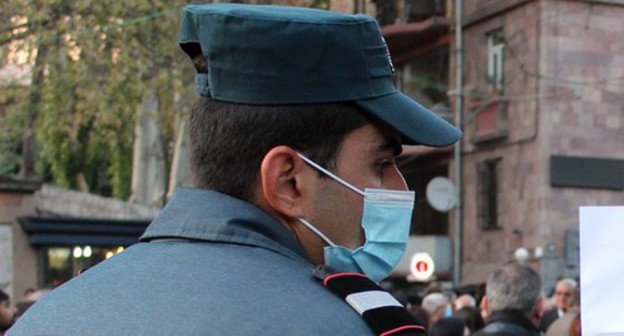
396	181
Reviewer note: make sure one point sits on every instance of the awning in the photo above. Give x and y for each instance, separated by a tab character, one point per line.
8	184
408	40
82	231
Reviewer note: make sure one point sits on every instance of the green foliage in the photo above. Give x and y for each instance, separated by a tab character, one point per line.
11	121
100	56
97	59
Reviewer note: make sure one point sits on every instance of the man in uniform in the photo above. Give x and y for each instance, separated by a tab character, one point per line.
293	147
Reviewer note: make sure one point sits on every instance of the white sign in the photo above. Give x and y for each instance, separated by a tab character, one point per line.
602	270
441	194
422	266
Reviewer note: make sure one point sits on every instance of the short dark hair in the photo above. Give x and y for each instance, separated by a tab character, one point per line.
228	141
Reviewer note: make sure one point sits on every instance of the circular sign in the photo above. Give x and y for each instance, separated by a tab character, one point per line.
441	194
522	254
422	266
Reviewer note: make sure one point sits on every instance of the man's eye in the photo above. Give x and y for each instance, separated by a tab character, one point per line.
383	165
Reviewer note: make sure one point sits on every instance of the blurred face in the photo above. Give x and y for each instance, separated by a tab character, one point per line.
366	159
7	315
563	296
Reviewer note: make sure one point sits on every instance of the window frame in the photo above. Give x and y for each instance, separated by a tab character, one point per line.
496	59
488	193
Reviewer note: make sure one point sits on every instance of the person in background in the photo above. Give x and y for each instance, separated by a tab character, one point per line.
7	312
449	326
464	300
30	297
471	317
566	292
513	301
575	326
296	209
28	292
420	314
562	325
436	306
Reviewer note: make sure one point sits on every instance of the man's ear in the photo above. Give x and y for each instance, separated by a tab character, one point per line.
538	311
485	307
281	181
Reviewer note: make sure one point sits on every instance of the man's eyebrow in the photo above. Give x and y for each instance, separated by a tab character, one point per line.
391	144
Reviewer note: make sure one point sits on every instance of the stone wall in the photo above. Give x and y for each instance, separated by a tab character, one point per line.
54	200
13	203
6	258
350	6
564	70
582	63
521	162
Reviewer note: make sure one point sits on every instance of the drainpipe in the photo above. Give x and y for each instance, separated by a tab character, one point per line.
459	69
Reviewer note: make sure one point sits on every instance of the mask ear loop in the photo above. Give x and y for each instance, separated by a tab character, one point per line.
315	230
330	174
337	179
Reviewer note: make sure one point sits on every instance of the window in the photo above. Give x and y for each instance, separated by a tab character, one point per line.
61	263
490	120
488	193
496	46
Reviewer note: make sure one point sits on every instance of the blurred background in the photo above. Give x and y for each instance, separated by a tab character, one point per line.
95	98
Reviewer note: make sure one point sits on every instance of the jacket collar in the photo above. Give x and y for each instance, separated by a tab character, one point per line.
512	316
207	215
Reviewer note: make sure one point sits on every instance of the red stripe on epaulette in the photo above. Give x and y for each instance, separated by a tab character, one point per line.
337	275
390	332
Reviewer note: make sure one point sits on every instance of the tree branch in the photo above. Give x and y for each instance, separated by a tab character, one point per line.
14	37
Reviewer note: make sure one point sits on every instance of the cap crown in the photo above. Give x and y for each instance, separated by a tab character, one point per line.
287	55
275	55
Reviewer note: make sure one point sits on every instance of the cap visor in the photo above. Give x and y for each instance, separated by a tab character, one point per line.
414	122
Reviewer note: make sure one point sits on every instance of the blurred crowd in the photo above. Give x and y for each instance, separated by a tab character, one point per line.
513	303
9	312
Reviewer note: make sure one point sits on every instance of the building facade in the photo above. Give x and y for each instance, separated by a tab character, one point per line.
544	127
542	113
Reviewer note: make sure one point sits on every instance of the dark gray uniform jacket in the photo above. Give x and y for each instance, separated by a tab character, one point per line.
209	264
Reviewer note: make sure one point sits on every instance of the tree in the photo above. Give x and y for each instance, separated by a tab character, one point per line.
94	62
107	105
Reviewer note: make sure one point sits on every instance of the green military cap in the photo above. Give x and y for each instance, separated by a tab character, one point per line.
275	55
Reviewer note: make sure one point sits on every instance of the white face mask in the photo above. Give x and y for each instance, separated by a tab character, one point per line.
386	219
